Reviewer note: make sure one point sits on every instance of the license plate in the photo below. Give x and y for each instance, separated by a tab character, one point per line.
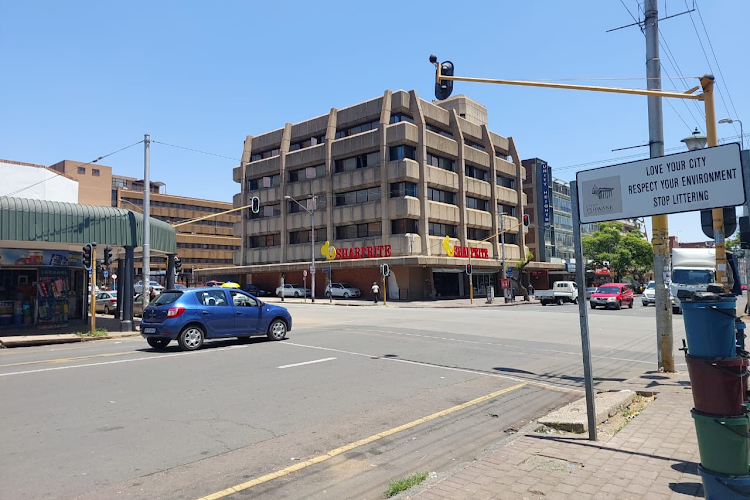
149	330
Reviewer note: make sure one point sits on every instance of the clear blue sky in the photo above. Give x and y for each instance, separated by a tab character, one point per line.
83	79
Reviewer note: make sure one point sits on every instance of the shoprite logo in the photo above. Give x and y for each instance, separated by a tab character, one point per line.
328	251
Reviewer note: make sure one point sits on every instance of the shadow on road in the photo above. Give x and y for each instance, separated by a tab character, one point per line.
209	344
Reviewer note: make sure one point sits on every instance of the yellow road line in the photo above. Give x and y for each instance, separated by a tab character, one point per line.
355	444
68	360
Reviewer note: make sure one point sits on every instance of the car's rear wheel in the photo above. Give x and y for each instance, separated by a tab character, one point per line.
559	301
191	338
544	302
106	309
328	295
575	301
277	330
158	343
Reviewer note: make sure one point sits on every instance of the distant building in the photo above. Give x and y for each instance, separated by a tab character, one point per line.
36	182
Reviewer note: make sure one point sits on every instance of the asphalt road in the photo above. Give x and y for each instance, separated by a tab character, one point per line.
354	398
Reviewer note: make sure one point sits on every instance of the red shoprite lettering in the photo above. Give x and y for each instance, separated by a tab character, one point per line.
363	252
476	253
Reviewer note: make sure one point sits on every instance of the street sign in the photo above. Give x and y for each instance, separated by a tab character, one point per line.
304	273
312	270
509	272
90	272
114	276
106	274
683	182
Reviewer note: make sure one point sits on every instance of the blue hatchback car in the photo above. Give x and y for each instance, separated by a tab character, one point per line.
192	315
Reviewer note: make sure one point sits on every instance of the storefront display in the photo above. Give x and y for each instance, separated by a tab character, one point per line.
52	289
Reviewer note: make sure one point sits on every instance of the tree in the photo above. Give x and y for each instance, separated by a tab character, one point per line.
520	265
627	254
733	243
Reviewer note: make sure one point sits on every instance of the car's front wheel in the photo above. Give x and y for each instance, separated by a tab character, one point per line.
618	305
346	295
191	338
277	330
328	295
296	295
630	304
593	306
644	303
158	343
559	301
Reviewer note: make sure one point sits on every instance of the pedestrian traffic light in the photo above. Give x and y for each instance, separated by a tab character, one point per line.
107	256
177	265
384	270
255	204
526	220
443	88
468	269
87	256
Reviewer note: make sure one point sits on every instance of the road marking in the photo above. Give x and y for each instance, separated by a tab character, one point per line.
451	368
356	444
67	360
307	362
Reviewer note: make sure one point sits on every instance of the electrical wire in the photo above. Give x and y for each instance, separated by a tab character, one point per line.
195	150
77	166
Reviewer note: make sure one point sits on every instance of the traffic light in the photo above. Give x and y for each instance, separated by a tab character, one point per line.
468	269
255	204
526	220
107	256
87	256
177	265
384	271
443	88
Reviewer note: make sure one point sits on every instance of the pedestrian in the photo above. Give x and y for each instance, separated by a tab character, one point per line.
531	289
151	294
375	290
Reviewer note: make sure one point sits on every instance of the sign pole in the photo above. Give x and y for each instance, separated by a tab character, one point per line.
588	377
93	287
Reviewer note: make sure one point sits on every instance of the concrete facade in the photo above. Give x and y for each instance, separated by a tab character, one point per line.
36	182
94	181
395	172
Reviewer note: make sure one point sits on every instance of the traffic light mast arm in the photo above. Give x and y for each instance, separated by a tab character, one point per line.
210	216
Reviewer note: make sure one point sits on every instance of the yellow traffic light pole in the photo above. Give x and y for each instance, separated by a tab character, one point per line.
659	222
471	280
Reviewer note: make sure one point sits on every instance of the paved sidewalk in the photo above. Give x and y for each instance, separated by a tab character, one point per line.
425	304
654	457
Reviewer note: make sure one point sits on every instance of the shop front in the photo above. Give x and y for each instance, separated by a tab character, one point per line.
42	289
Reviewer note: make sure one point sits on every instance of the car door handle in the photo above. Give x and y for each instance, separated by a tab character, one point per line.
204	312
239	313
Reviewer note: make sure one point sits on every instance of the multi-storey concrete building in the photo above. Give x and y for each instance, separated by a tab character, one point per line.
392	178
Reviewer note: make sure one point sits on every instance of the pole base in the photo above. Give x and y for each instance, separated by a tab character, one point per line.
126	326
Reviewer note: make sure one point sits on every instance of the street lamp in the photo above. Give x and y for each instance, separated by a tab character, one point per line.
312	239
742	134
695	141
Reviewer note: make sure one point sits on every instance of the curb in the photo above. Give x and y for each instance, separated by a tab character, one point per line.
66	340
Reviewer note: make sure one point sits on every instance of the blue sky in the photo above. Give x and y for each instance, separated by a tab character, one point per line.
83	79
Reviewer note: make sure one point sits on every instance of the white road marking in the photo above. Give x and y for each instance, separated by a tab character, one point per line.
307	362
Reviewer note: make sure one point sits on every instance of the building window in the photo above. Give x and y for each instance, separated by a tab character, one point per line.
401	152
366	230
506	182
441	196
309	142
264	240
561	204
355	162
299	237
358	129
320	203
401	189
401	117
474	145
437	229
265	154
307	173
266	182
563	222
95	172
506	209
358	196
477	234
440	162
403	226
510	238
119	183
81	170
266	211
476	172
476	203
440	131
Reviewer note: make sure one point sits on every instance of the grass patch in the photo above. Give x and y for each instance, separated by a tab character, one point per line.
99	332
396	487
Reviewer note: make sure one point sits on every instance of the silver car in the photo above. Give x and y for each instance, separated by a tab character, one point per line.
292	291
106	302
649	294
344	290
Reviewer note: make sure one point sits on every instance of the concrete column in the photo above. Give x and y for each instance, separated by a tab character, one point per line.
128	278
490	147
283	150
415	108
458	135
170	271
245	200
330	137
385	118
521	240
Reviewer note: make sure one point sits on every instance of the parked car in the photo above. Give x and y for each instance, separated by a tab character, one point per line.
177	286
138	305
613	295
255	290
106	302
292	291
193	315
649	294
589	291
138	287
344	290
562	291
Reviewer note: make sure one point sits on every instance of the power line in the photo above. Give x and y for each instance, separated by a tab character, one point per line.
195	150
58	174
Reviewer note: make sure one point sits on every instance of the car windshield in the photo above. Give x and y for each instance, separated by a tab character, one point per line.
693	276
650	286
608	289
346	285
591	289
166	298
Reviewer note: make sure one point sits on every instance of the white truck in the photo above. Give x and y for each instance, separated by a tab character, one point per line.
562	291
692	269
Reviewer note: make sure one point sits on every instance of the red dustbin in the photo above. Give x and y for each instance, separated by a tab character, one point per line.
719	384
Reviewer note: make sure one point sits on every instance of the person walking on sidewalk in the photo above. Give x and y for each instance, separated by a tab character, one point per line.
530	289
375	290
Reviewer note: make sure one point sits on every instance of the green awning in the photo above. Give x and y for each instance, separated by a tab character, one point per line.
23	219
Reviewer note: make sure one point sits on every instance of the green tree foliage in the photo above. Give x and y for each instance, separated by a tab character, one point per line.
627	254
733	243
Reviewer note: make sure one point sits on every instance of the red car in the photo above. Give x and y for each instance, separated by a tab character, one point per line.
613	295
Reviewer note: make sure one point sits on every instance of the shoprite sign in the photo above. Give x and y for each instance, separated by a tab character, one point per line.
463	252
363	252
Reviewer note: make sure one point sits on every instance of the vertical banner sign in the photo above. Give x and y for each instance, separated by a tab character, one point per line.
545	194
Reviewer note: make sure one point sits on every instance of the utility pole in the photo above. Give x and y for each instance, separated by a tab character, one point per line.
502	256
659	223
312	247
146	280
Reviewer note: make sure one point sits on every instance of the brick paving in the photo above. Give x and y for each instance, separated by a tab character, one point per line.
654	457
